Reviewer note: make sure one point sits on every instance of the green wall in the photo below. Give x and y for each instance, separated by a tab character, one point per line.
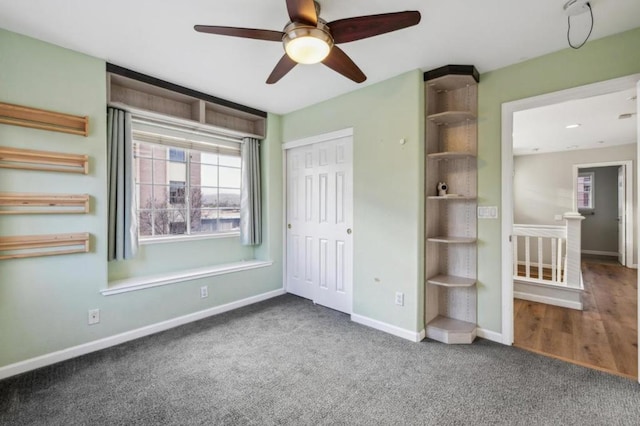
44	300
388	191
603	59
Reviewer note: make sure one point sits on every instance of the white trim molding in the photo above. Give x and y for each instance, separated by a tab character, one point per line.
388	328
600	253
149	281
318	138
564	303
96	345
489	335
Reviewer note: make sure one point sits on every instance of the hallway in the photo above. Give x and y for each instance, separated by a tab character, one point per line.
603	336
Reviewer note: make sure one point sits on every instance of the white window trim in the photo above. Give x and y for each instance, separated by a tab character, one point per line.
150	281
181	238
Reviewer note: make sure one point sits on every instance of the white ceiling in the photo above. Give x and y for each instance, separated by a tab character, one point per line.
540	130
156	37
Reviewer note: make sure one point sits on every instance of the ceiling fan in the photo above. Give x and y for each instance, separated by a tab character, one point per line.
308	39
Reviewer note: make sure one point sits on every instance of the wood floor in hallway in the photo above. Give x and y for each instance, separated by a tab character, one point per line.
603	336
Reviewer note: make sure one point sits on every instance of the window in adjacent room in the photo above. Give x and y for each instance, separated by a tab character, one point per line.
586	191
190	188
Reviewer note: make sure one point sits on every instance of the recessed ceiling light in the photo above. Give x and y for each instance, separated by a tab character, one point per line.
574	126
572	146
601	142
535	149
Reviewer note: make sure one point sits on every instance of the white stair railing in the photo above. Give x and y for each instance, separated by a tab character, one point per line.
556	248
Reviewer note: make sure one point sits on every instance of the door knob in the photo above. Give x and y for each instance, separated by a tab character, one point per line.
349	231
289	225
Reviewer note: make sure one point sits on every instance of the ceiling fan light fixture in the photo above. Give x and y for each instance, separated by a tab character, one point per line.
307	45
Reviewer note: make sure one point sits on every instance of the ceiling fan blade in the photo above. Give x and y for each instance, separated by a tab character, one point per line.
268	35
283	66
341	63
352	29
302	11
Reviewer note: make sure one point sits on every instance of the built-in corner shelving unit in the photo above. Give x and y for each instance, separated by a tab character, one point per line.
451	227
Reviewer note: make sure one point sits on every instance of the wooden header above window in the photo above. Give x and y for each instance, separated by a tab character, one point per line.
151	94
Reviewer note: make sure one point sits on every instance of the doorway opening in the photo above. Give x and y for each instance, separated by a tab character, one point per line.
541	201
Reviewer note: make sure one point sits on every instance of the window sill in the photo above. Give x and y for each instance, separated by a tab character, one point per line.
182	238
140	283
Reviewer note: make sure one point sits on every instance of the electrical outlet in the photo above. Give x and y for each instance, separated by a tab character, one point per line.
204	292
94	316
399	298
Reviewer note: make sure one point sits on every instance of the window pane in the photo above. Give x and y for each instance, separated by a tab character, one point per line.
208	196
160	197
175	171
145	196
177	155
145	223
207	221
141	149
229	220
229	198
177	192
230	160
143	170
205	158
229	177
208	175
159	152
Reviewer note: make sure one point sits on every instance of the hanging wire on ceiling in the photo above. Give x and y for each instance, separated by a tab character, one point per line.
569	29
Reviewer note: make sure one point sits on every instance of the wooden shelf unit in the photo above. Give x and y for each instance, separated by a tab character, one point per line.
19	247
36	118
174	103
27	159
451	227
12	203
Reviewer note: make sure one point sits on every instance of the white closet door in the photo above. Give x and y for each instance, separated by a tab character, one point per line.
319	220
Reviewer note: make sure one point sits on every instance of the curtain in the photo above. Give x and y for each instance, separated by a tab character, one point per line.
122	227
250	199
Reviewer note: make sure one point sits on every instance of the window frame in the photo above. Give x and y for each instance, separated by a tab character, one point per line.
189	146
591	192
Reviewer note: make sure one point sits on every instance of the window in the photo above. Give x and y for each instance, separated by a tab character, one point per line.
185	191
586	191
176	155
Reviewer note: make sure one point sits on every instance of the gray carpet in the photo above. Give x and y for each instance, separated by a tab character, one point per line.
286	361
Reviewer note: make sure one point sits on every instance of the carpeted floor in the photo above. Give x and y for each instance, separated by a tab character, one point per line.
286	361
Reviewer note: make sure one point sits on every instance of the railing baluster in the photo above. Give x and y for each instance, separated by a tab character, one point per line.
559	259
540	276
553	259
527	260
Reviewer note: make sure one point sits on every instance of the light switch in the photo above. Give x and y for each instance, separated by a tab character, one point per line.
487	212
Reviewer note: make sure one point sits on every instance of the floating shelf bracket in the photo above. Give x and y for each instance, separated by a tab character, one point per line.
42	119
19	203
43	245
26	159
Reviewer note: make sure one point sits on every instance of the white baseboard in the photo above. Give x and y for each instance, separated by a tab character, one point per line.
601	253
548	300
489	335
388	328
96	345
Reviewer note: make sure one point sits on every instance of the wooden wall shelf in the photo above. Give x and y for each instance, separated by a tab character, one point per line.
42	119
12	203
26	159
43	245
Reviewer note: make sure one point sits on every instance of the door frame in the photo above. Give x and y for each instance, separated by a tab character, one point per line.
296	143
627	165
508	109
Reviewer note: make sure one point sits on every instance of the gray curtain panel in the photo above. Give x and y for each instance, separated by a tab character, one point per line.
123	227
250	200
